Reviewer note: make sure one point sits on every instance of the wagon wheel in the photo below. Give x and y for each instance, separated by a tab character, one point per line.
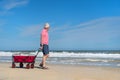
21	65
32	65
13	65
28	66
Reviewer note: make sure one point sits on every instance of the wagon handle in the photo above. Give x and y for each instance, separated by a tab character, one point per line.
37	52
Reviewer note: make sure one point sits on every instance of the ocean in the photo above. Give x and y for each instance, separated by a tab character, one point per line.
106	58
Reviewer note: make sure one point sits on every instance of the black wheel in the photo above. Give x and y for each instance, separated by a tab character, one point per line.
28	66
13	65
32	65
21	65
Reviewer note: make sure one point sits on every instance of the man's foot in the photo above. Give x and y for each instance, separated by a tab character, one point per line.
45	68
41	65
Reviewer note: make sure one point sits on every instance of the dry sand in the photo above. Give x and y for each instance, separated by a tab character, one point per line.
59	72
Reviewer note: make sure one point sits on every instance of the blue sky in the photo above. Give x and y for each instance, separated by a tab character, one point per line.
75	24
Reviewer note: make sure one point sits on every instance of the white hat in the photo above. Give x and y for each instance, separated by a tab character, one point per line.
46	25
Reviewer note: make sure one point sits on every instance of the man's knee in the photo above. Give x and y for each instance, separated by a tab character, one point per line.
47	55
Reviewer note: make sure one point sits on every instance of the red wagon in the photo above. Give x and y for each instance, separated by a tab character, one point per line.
23	58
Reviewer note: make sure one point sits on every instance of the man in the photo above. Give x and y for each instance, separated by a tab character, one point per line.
44	45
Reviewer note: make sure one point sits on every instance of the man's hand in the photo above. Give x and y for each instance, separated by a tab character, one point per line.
41	46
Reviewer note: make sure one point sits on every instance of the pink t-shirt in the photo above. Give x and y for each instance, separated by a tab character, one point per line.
44	37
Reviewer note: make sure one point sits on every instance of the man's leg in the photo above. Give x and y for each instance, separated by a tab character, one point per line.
43	63
45	55
44	59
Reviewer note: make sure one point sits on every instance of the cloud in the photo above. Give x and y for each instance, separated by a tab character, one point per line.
100	33
28	31
7	5
14	3
3	12
2	22
22	37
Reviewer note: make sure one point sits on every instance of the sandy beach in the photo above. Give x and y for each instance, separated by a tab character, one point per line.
59	72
